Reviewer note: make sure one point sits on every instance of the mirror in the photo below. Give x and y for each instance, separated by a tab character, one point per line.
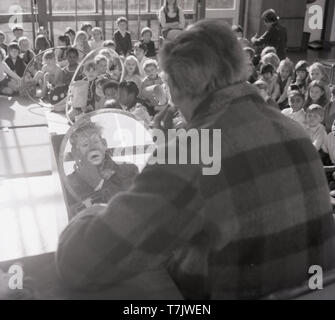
47	77
86	92
100	155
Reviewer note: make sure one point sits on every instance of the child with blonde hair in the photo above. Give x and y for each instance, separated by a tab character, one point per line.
131	71
81	43
284	80
316	94
318	72
314	127
97	39
26	53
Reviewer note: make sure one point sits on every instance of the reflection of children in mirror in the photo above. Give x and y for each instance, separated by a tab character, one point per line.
94	169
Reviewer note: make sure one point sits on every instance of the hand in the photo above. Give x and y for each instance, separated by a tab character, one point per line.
164	119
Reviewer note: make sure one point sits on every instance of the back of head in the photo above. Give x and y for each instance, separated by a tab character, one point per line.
205	58
270	16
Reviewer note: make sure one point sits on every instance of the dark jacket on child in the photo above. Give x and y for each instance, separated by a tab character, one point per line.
123	44
151	50
18	67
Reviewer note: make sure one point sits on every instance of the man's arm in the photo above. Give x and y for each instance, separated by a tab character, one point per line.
262	40
136	232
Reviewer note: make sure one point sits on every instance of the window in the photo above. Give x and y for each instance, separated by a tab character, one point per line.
69	6
7	6
220	4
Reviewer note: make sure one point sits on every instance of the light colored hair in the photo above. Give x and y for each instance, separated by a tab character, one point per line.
286	63
319	66
137	69
100	57
315	108
85	38
22	39
205	58
150	62
98	29
271	58
267	50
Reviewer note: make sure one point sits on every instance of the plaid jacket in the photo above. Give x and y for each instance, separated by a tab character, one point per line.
251	230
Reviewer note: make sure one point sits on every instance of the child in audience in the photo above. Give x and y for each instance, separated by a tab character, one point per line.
3	44
314	127
318	72
271	58
122	37
152	76
87	28
13	60
8	86
99	93
114	64
316	94
91	74
97	38
251	55
267	50
81	43
262	87
140	50
72	57
146	35
51	75
238	30
131	71
17	32
128	98
26	53
329	144
330	113
284	80
300	77
63	41
102	66
267	74
296	111
71	34
110	90
41	43
110	44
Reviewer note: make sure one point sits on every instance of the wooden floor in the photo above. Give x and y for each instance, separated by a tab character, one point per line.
32	209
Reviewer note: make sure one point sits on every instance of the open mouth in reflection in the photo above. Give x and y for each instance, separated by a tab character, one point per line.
95	157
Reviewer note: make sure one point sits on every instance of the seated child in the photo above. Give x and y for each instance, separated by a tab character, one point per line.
51	75
3	44
271	58
267	74
318	72
146	35
284	80
314	127
296	111
262	87
41	43
99	93
26	53
13	60
91	75
95	171
140	50
128	98
97	38
102	66
316	94
72	57
115	65
8	86
131	71
63	41
17	32
122	37
152	76
300	77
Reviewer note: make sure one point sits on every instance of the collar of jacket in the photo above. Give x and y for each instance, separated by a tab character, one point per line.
220	100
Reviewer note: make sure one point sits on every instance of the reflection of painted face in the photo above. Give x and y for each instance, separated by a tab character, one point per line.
147	37
296	103
151	72
130	66
315	74
102	67
315	93
111	93
72	58
313	119
91	74
284	73
92	148
125	98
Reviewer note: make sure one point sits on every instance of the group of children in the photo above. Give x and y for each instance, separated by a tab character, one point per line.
302	92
